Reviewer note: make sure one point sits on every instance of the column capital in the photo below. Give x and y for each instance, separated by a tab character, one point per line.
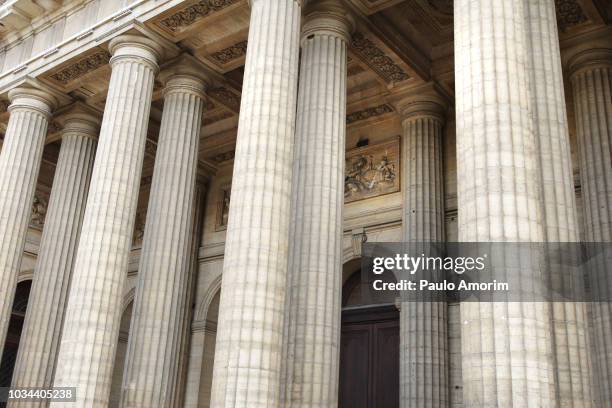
590	59
32	99
327	17
421	106
82	123
185	74
135	46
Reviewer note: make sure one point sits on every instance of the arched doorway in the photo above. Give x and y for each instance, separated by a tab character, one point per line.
369	346
120	356
9	354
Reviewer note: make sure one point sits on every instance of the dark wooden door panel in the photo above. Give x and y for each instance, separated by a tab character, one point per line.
369	359
386	365
354	369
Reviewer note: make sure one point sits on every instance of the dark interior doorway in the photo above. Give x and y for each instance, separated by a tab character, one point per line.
369	351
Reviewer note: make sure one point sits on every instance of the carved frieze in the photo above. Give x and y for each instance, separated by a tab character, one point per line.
229	54
372	171
376	59
81	67
569	13
368	113
191	14
226	97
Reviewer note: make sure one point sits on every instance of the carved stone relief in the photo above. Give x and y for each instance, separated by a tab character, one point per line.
225	97
81	67
39	210
376	59
223	207
569	13
372	171
368	113
229	54
191	14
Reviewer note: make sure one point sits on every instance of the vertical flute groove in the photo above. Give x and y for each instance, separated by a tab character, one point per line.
423	325
506	347
558	204
161	290
311	349
249	339
93	313
42	328
591	76
19	166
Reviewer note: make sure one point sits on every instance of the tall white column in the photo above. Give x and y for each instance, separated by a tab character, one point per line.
93	313
423	325
20	160
591	76
506	346
572	370
39	344
252	306
312	345
159	306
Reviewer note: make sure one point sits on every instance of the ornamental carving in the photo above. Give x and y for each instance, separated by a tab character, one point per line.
229	54
381	63
223	208
569	13
81	67
368	113
372	171
226	97
39	210
193	13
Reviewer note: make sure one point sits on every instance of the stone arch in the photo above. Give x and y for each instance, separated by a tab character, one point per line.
204	304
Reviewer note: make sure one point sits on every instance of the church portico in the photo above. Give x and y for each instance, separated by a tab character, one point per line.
188	184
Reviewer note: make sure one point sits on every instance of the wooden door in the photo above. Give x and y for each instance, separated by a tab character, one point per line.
369	358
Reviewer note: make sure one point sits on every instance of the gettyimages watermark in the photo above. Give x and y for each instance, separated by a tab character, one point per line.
489	272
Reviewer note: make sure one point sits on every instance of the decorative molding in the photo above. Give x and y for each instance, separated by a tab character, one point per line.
231	53
191	14
569	14
376	59
81	67
226	97
368	113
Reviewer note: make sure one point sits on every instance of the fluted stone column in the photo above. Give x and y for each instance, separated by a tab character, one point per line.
312	349
506	347
41	333
159	306
558	195
93	313
591	76
250	334
20	160
423	325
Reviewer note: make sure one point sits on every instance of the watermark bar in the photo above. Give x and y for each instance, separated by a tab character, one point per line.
59	394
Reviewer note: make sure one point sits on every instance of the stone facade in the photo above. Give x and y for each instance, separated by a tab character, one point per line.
187	184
